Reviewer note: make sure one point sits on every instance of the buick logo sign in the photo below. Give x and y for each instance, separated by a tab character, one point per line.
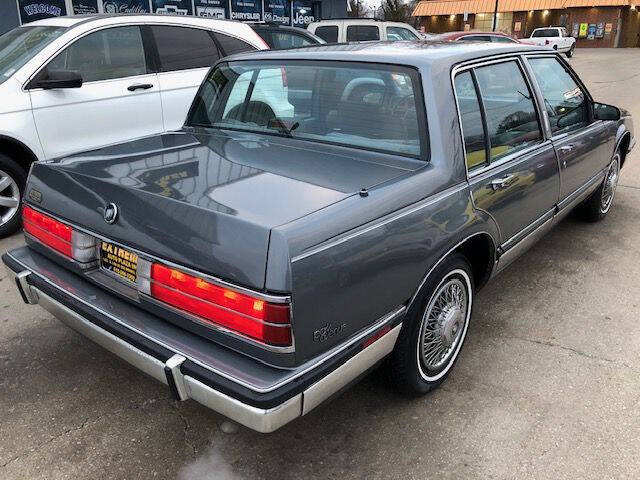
110	213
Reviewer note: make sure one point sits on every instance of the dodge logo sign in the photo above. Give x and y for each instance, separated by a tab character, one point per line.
110	213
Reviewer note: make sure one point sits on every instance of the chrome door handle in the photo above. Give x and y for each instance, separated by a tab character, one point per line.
139	86
503	182
567	148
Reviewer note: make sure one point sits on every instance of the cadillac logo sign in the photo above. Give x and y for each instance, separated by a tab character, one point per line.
110	213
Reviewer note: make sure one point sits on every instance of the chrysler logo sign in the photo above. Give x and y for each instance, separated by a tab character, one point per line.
110	213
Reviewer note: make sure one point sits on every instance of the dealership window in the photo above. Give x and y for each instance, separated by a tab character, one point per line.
110	53
484	22
182	48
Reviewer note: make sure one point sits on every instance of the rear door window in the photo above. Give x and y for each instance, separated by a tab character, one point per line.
471	120
265	35
329	33
181	48
362	33
565	102
231	45
511	116
283	40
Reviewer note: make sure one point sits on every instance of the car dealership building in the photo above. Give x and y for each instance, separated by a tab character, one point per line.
288	12
594	23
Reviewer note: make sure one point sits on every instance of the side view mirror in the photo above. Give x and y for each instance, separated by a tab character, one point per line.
57	79
602	111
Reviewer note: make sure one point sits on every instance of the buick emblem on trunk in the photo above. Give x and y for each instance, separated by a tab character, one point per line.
110	213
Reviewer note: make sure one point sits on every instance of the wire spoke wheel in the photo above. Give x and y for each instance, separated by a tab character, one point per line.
443	325
610	184
9	197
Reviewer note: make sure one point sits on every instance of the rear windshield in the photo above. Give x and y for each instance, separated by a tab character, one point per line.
358	105
547	32
19	46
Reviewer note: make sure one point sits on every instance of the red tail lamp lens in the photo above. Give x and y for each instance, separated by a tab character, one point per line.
59	236
221	306
49	231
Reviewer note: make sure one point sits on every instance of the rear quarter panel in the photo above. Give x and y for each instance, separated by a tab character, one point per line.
359	259
356	278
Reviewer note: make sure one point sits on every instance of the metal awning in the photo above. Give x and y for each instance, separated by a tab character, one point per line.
455	7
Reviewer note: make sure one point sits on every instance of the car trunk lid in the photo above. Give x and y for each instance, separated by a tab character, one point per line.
205	201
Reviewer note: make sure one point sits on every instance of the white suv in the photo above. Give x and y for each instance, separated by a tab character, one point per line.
362	30
70	84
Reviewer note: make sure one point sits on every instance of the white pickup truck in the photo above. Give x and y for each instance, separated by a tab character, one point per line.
555	37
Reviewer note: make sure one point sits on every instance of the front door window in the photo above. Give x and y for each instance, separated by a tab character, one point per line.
103	55
566	104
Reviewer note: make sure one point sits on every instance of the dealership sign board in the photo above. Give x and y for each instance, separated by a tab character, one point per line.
172	7
32	10
278	11
583	29
84	7
125	6
286	12
212	8
302	13
246	10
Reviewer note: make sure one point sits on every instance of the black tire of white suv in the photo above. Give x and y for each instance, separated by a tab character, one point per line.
12	182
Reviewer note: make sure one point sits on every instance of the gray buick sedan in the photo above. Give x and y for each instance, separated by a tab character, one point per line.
322	210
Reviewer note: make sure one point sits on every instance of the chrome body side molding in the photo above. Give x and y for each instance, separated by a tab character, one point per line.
523	245
572	200
526	238
353	368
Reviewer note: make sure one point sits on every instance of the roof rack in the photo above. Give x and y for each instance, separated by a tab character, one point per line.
354	19
268	23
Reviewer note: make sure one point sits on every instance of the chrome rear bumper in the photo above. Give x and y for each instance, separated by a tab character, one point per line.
184	386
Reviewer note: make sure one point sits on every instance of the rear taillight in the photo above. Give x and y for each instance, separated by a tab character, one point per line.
254	317
59	236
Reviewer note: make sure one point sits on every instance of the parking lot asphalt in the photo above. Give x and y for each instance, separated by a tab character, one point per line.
547	386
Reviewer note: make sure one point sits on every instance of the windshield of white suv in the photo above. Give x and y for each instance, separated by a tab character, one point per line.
352	104
19	46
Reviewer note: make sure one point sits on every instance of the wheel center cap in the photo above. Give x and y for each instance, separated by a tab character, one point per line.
451	325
